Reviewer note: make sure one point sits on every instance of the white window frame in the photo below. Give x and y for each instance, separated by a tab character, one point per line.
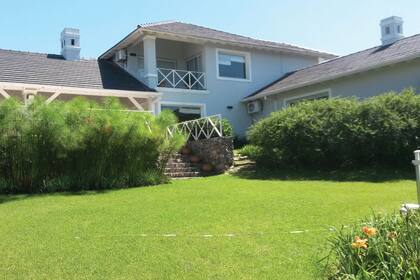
202	106
248	67
287	100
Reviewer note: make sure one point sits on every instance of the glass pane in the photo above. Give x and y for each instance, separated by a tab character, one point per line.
166	64
184	113
232	66
323	95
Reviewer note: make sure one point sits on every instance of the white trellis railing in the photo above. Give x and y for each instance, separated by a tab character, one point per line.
181	79
412	206
204	128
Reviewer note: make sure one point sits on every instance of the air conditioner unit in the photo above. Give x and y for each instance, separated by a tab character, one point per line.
120	55
254	107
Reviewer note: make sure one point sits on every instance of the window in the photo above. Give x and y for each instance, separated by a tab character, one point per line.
325	94
73	42
194	64
184	113
233	65
387	30
399	29
166	63
160	63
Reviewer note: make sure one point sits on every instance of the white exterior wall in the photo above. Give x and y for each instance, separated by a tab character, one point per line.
265	67
363	85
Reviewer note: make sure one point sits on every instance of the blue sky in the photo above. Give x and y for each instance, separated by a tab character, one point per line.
339	26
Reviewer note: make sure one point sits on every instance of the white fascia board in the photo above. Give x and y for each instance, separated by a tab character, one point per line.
80	91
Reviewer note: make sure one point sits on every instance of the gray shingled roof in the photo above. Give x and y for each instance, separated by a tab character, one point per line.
54	70
204	33
402	50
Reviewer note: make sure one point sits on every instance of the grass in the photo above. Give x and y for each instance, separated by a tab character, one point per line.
120	234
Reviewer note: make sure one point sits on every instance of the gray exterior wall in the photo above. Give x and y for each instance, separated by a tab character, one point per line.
221	93
265	67
362	85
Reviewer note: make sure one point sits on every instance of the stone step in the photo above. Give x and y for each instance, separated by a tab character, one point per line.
179	164
183	174
182	169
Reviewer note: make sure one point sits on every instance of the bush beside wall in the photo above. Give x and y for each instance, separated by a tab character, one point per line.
80	145
382	130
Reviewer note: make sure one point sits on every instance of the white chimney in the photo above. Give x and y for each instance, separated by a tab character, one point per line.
391	30
70	44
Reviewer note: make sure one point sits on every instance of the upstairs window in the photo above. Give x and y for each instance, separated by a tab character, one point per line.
73	42
324	94
233	65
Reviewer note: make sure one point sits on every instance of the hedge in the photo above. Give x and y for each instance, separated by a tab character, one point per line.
382	130
80	145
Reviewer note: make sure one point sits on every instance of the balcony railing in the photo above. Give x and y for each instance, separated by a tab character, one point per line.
172	78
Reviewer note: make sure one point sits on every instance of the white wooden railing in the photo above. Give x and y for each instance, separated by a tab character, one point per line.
204	128
172	78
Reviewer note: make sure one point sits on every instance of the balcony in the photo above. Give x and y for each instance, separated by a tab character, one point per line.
181	79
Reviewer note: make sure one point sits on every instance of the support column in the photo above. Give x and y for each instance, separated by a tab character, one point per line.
150	69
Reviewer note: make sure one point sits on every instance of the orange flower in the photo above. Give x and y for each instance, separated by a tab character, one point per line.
359	243
369	231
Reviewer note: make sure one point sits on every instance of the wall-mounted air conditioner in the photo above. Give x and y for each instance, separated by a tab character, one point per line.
254	106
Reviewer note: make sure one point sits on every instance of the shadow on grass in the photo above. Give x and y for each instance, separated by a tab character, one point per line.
377	175
5	198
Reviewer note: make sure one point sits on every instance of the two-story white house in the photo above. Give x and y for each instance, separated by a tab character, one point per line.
201	71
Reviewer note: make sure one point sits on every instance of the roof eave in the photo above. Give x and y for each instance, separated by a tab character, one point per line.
139	31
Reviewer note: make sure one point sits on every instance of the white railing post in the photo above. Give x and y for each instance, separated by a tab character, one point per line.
416	163
186	79
206	128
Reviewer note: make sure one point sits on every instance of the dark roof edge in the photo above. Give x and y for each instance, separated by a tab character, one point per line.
119	42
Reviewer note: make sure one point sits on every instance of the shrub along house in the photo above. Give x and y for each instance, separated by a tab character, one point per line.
392	66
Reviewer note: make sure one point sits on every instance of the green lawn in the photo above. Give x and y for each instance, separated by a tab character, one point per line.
225	227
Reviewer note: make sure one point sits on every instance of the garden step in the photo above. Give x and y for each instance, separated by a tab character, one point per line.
184	174
182	169
180	166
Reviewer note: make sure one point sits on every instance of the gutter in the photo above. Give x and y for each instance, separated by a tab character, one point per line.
321	80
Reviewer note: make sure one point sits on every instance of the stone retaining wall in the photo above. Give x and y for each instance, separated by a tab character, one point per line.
216	151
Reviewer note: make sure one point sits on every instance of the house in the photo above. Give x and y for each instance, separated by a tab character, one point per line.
197	71
201	71
192	70
392	66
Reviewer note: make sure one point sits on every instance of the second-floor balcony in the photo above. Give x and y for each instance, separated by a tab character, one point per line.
181	79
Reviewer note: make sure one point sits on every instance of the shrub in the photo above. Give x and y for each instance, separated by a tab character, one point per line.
227	130
251	151
385	247
80	145
341	132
